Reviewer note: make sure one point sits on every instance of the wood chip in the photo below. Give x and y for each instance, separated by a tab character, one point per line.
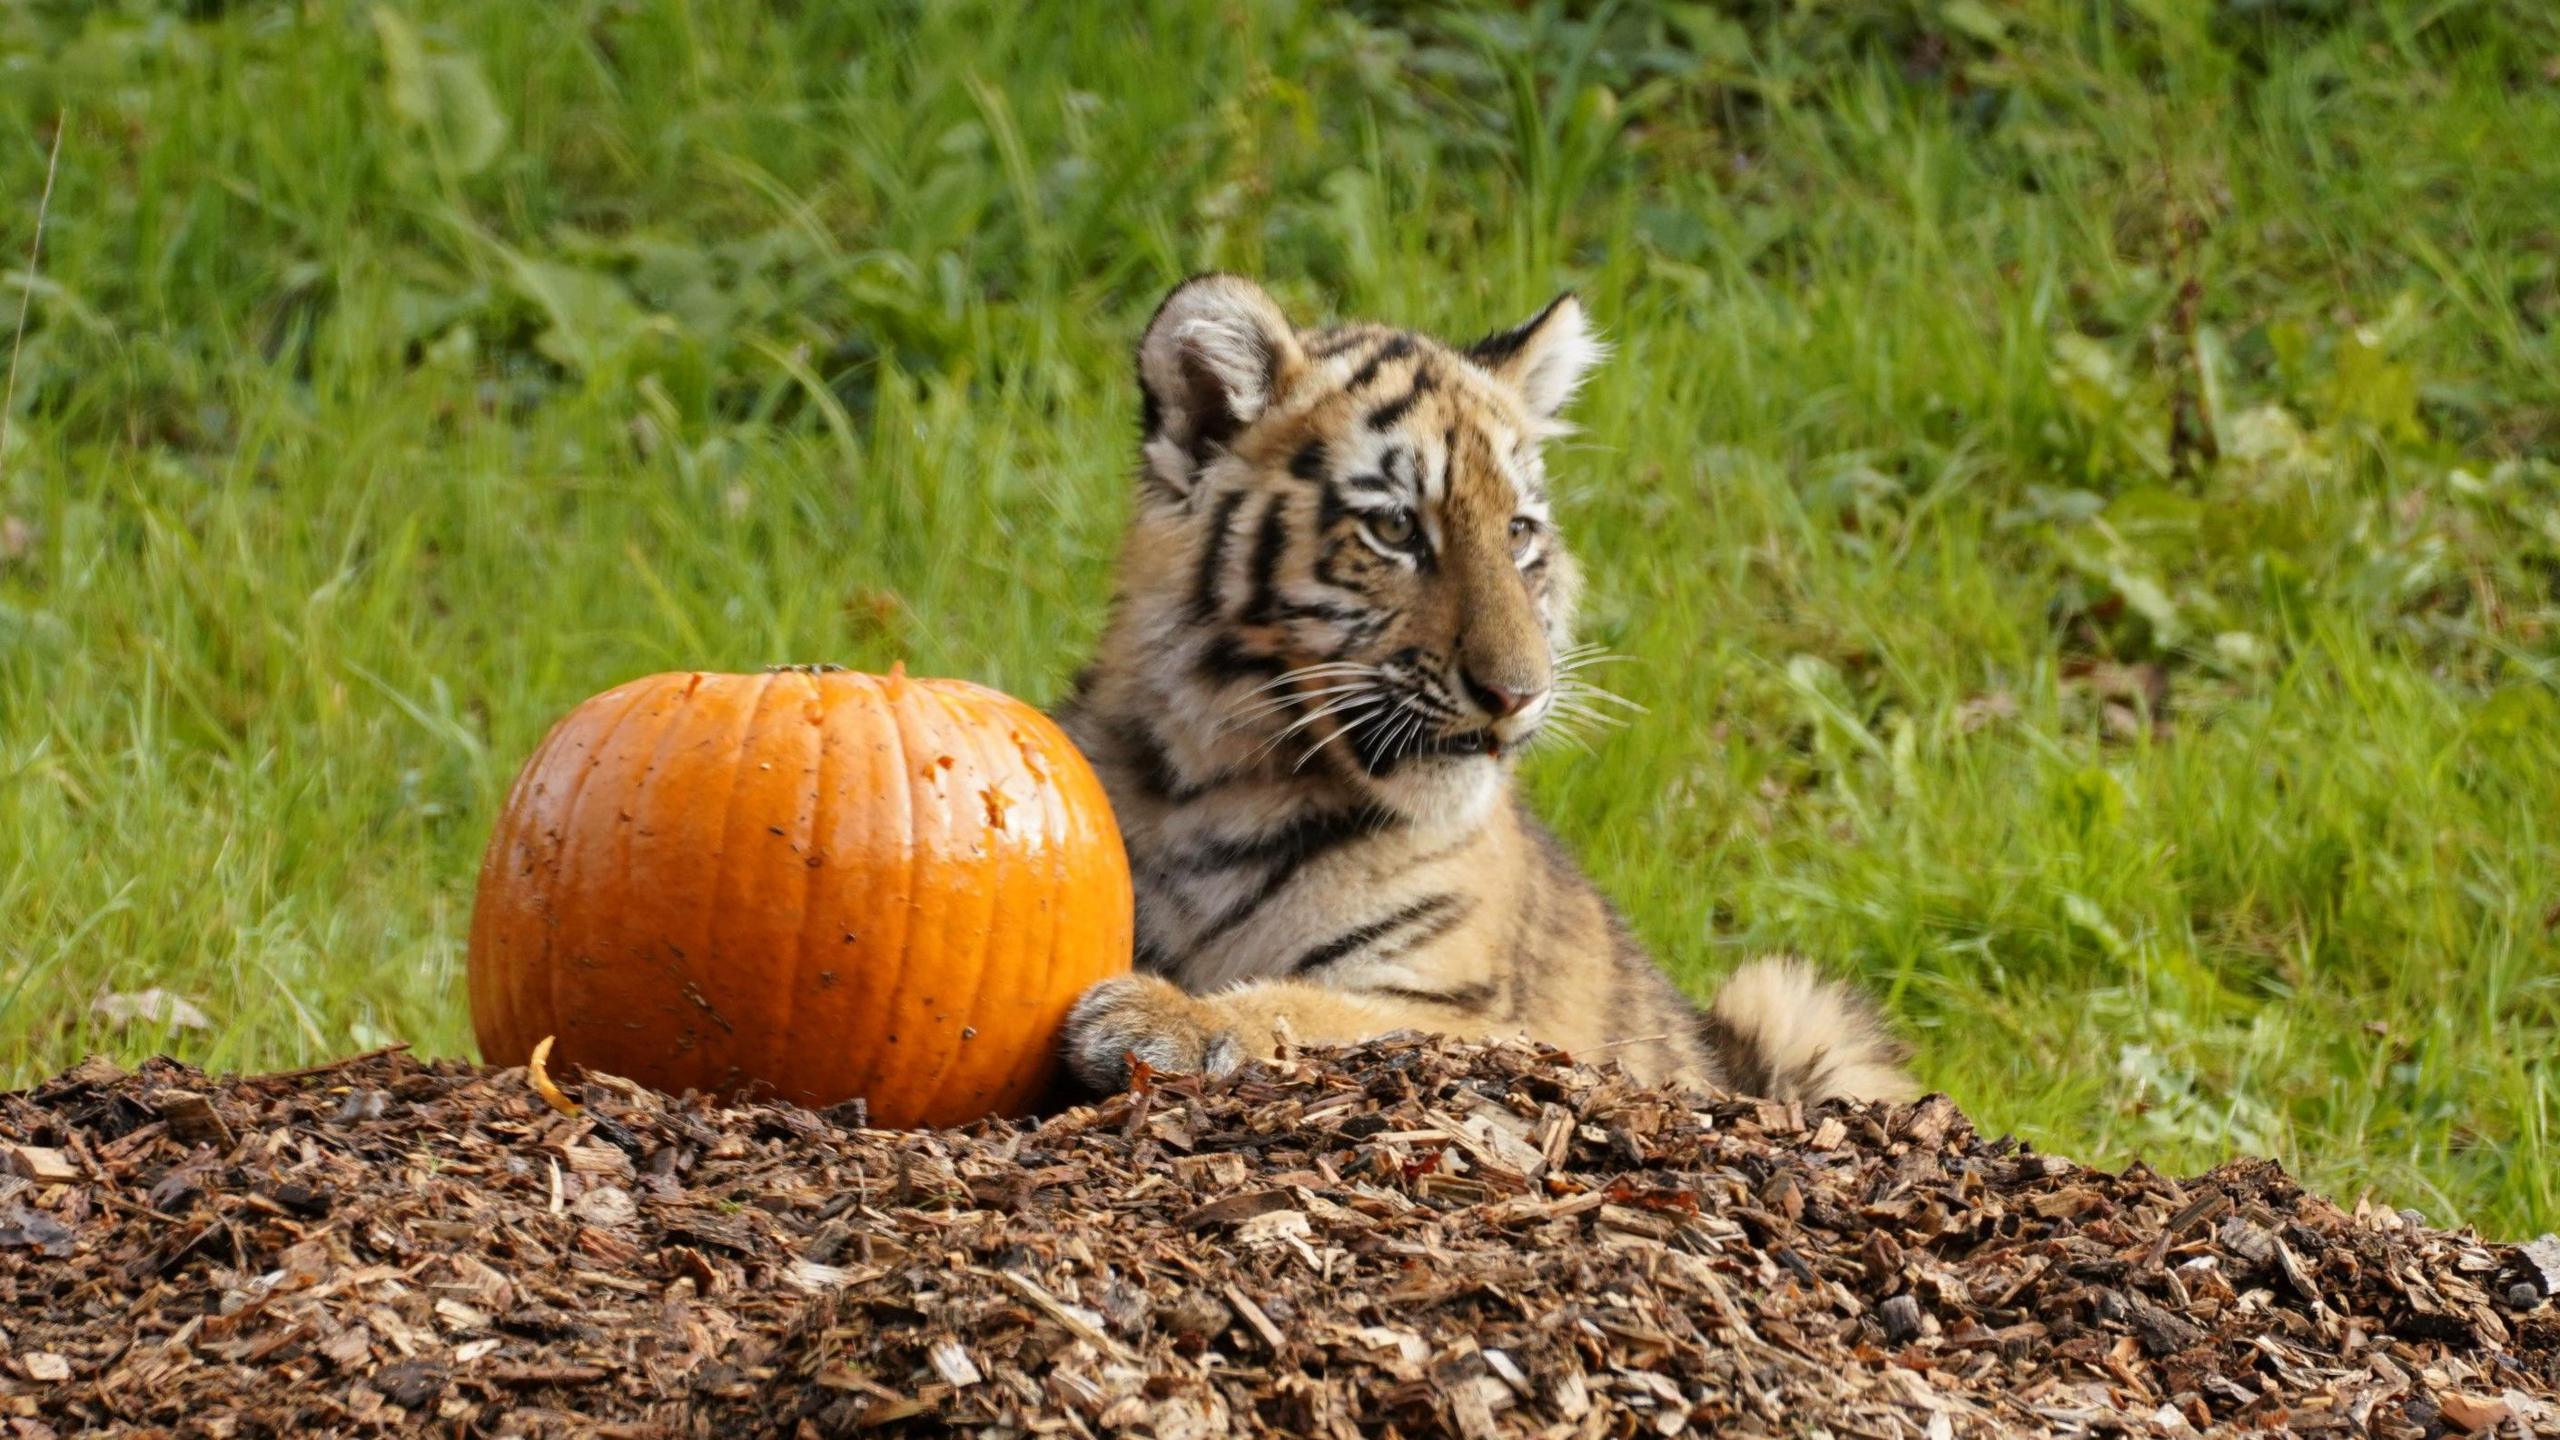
1223	1172
192	1118
2472	1414
1900	1316
46	1366
1082	1324
42	1164
950	1360
1253	1316
1236	1209
2539	1260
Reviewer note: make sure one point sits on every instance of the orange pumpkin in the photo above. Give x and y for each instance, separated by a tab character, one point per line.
821	883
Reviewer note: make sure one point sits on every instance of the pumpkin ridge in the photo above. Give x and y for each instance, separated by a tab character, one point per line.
643	792
816	868
893	695
1015	1087
549	968
1054	825
720	862
956	1062
866	1013
681	701
975	920
777	1053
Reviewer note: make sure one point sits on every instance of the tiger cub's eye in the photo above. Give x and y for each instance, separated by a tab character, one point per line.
1522	528
1395	528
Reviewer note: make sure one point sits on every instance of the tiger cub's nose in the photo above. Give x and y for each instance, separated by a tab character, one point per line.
1499	701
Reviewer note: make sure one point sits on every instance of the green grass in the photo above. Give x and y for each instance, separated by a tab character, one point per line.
398	377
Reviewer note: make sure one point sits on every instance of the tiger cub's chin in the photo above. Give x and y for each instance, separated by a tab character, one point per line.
1442	792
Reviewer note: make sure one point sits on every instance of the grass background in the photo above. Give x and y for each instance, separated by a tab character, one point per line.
2075	482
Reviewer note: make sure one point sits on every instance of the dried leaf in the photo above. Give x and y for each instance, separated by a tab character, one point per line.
154	1006
539	1076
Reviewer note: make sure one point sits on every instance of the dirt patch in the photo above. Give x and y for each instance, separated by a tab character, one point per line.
1406	1238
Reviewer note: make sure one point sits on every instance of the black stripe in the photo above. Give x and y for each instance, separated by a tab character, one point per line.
1439	925
1494	349
1288	851
1740	1064
1291	845
1225	660
1436	855
1470	999
1403	469
1264	606
1386	416
1323	610
1515	979
1395	349
1080	689
1350	942
1537	925
1324	562
1308	463
1213	556
1152	768
1362	631
1336	549
1338	341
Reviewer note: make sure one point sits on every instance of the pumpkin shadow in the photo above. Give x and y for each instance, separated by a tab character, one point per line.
1063	1093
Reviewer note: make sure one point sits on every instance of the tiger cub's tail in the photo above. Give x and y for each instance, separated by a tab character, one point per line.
1778	1028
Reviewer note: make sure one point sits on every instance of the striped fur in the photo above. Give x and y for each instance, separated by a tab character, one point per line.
1340	605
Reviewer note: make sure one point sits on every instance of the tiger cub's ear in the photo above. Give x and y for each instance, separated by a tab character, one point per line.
1545	357
1217	354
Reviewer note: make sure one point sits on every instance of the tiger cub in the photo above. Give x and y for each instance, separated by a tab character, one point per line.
1340	608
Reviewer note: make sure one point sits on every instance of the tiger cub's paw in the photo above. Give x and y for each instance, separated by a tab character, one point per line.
1167	1028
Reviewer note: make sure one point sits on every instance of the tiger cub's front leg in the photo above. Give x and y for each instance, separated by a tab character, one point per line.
1171	1030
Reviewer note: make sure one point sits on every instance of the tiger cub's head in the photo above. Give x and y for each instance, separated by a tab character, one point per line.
1344	555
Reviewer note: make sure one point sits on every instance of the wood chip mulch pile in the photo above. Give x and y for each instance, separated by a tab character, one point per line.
1408	1238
